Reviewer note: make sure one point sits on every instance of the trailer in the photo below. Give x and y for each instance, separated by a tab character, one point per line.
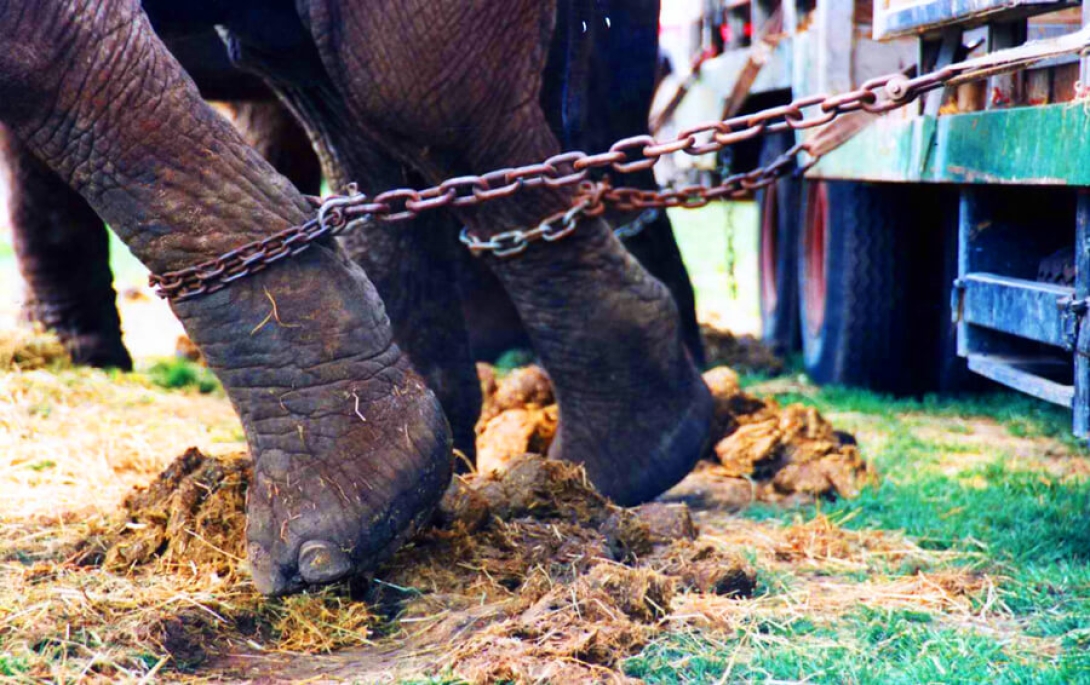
943	242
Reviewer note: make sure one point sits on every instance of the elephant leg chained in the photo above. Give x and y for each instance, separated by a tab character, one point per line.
633	408
63	254
599	84
350	448
410	264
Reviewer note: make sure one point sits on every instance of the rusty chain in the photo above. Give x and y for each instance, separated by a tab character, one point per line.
340	213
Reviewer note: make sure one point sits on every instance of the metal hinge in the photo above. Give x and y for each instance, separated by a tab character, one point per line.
957	299
1072	312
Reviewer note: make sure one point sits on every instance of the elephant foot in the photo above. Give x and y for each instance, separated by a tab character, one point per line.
102	351
89	329
633	408
350	449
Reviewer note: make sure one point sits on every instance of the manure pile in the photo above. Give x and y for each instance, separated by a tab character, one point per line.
526	574
766	451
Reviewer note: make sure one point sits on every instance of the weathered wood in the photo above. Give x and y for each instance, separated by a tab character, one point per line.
1024	308
1045	145
758	56
900	18
1005	90
1081	406
1021	374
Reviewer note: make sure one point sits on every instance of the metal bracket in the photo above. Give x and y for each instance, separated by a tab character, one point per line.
1072	312
957	299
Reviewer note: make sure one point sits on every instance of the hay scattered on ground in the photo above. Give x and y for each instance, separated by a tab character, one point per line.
526	573
190	515
533	556
167	579
30	348
77	440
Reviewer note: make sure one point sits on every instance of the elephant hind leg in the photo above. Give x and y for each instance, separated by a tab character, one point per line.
63	253
456	89
270	128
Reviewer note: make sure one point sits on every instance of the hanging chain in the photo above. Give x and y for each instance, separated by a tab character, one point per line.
553	228
635	227
340	213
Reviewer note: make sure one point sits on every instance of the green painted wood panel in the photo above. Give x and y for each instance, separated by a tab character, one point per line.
1045	145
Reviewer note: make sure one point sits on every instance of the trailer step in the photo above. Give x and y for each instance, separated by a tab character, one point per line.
1025	375
1028	309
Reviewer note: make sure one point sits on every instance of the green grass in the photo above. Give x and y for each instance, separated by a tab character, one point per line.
174	374
1023	416
12	666
1025	528
867	646
127	268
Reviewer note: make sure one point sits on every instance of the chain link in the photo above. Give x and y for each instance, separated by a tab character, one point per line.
341	213
636	226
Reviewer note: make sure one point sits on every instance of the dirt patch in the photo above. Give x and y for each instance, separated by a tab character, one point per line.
745	353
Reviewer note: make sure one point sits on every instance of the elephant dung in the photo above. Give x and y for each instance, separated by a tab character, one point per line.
742	352
518	416
515	432
191	514
522	387
788	451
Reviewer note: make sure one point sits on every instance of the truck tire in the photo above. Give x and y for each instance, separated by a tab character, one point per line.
859	261
778	219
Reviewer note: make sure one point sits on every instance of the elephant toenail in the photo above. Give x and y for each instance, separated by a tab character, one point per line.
322	562
268	577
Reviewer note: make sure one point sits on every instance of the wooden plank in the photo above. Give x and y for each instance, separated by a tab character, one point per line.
1045	145
759	54
1081	419
893	18
1080	422
1012	305
1013	374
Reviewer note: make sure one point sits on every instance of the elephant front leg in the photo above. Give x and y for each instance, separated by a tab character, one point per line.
349	447
657	250
409	262
63	253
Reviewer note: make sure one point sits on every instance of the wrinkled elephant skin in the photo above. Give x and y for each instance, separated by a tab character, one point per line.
351	449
